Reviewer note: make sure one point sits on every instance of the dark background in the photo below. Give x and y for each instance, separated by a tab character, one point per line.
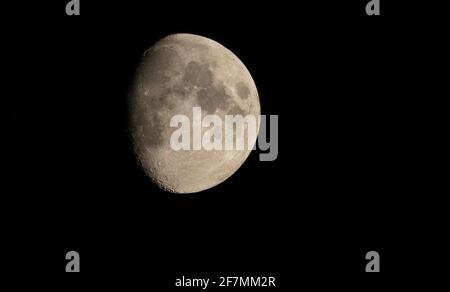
363	150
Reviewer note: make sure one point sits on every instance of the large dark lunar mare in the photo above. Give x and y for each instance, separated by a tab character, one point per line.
180	72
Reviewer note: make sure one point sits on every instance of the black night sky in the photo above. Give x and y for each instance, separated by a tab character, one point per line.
363	141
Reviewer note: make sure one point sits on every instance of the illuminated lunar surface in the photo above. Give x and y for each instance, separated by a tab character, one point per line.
177	73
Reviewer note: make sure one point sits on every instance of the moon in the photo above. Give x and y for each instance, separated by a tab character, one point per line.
177	73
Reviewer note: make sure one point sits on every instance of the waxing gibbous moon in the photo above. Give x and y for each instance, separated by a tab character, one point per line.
177	73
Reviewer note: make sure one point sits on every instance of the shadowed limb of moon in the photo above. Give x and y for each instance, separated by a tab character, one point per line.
177	73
